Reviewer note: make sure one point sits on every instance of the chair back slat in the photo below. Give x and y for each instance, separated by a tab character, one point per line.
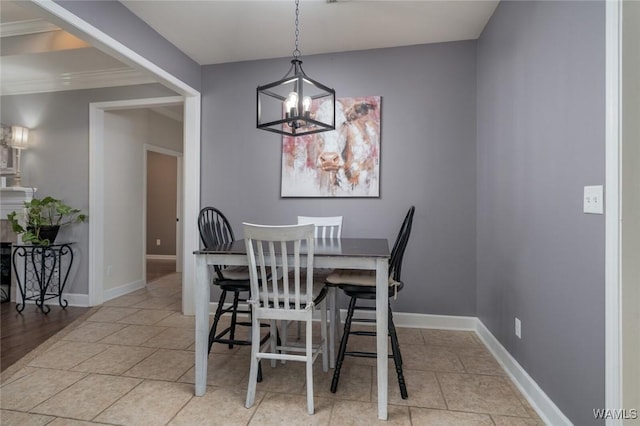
397	253
285	279
214	227
296	273
264	277
327	227
214	230
277	248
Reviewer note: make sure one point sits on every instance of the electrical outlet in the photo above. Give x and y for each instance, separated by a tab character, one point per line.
158	242
593	200
518	328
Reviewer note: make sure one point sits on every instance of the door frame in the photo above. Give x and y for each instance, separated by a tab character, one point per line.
612	294
191	155
97	183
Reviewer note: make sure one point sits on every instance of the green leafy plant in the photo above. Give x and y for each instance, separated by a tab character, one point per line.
40	214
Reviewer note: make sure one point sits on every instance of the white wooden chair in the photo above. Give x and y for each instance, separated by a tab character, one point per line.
288	298
327	227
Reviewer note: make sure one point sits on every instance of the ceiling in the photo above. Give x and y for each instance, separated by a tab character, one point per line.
213	32
36	56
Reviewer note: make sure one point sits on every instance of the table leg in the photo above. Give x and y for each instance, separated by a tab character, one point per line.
202	295
382	331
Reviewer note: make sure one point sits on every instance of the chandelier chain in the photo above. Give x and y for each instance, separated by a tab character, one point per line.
296	52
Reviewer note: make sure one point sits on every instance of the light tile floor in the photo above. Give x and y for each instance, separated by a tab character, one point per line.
131	362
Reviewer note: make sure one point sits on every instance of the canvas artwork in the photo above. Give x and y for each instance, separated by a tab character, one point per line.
344	162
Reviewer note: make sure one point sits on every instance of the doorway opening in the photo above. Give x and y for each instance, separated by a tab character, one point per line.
163	203
117	236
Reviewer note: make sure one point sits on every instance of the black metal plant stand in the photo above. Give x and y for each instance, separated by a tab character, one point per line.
43	274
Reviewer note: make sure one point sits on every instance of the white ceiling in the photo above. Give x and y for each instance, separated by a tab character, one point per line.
38	57
213	32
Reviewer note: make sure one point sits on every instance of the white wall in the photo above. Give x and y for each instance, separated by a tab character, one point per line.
125	132
164	132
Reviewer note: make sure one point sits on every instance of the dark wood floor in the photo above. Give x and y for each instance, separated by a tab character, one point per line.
21	333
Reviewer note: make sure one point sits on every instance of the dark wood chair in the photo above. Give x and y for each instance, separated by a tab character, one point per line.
215	230
361	285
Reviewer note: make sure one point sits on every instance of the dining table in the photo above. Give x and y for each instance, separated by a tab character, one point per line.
343	253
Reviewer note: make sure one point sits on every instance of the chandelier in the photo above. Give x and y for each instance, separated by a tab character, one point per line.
296	105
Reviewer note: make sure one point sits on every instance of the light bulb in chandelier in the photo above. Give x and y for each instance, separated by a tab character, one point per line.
291	105
306	105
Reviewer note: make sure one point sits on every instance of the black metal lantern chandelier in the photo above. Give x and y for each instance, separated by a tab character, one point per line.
296	105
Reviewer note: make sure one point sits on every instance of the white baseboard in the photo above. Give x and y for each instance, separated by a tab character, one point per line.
112	293
409	320
544	406
82	300
79	300
161	257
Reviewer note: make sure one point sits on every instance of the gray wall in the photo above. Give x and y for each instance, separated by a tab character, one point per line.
540	140
58	161
427	159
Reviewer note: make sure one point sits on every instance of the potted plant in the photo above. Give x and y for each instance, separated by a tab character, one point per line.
42	218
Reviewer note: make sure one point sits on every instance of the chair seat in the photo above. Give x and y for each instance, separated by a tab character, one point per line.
235	273
367	292
355	277
233	285
235	278
359	283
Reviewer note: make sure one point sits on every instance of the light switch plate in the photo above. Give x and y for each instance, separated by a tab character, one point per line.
593	201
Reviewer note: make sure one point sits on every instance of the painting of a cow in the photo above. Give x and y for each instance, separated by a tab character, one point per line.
344	162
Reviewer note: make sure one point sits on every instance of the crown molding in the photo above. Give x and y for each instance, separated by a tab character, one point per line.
31	26
76	81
